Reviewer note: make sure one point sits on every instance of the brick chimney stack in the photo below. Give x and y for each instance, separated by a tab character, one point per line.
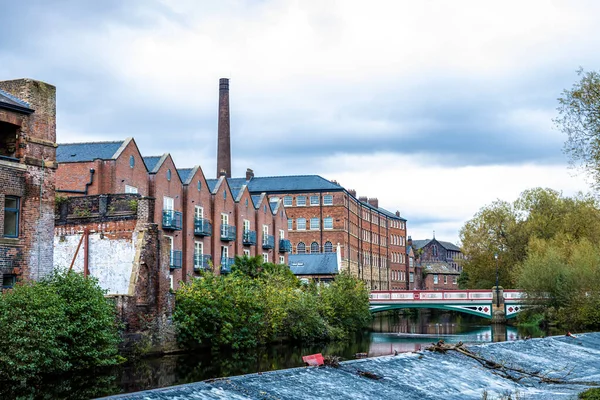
352	192
224	141
374	202
249	174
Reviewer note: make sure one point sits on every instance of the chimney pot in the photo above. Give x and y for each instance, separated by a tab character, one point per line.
397	213
374	202
352	192
249	174
363	199
222	173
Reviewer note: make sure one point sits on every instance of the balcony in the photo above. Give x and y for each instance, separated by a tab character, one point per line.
285	246
268	241
171	220
226	264
202	227
249	238
202	262
227	233
175	261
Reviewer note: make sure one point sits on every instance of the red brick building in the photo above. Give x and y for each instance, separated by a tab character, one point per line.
322	214
27	176
439	262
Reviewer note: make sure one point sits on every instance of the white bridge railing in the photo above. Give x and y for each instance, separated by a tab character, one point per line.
440	295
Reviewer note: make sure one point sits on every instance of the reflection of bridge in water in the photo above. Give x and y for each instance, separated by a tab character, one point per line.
482	303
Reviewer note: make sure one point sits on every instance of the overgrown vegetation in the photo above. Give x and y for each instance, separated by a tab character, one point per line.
261	302
61	323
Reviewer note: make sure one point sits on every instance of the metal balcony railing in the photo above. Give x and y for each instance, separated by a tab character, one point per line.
175	261
202	262
249	238
285	246
227	233
226	264
202	227
268	241
171	220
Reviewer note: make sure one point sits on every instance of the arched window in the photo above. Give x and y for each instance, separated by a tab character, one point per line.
301	248
434	250
131	161
168	174
328	248
314	247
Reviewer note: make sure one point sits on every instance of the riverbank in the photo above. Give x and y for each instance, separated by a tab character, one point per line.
416	375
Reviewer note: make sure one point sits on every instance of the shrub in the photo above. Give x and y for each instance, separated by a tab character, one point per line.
59	324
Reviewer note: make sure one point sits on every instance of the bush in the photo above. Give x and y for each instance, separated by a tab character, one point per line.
59	324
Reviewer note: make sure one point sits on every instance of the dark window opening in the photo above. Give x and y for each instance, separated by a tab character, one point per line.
11	217
8	281
314	247
8	140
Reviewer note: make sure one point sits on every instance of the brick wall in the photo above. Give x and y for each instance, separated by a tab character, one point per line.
223	203
264	217
445	282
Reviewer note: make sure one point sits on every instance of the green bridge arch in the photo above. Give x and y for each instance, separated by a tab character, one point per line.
467	309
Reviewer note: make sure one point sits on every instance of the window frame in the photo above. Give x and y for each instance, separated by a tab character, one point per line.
300	204
317	224
314	200
17	212
325	220
326	198
301	224
285	201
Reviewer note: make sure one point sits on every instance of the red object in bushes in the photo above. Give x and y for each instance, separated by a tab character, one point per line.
313	359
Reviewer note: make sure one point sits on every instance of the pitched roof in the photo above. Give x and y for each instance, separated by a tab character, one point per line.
184	173
439	268
256	199
417	244
389	213
78	152
236	185
314	264
283	184
151	162
10	102
212	183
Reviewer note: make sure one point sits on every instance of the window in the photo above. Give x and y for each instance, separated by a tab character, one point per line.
130	189
168	203
224	194
301	224
314	223
290	224
246	203
247	252
266	257
328	248
200	186
301	200
435	279
198	212
314	200
287	201
281	234
265	209
328	223
314	247
328	200
411	262
281	260
198	252
454	280
445	279
411	276
301	248
169	174
434	250
246	225
8	281
265	232
131	161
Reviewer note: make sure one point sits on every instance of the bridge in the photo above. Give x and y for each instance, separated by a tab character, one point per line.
477	302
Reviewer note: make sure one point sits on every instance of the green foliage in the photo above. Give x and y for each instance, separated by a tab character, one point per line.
59	324
507	229
579	119
590	394
260	302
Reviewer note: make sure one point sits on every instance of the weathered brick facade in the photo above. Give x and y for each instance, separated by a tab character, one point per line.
439	262
27	176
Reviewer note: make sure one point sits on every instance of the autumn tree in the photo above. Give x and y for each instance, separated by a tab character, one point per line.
579	119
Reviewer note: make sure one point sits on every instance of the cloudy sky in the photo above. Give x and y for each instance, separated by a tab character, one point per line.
434	107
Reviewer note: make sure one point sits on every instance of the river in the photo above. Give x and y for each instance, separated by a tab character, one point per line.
389	333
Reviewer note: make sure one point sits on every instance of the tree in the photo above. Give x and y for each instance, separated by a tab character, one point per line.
579	119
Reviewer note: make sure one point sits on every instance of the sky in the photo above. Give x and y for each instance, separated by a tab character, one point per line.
436	108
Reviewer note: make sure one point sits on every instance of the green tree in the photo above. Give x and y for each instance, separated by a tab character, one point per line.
579	119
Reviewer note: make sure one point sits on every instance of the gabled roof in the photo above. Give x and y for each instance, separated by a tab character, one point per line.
236	185
212	183
439	268
10	102
292	183
273	205
389	214
314	264
422	243
185	174
257	199
80	152
151	162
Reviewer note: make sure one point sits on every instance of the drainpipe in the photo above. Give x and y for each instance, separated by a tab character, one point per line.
87	185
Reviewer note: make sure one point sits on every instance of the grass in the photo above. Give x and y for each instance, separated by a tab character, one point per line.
590	394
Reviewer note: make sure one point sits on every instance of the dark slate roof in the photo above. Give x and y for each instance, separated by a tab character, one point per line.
273	205
256	200
151	162
235	185
212	183
447	245
184	173
10	102
314	264
283	184
439	268
390	214
78	152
